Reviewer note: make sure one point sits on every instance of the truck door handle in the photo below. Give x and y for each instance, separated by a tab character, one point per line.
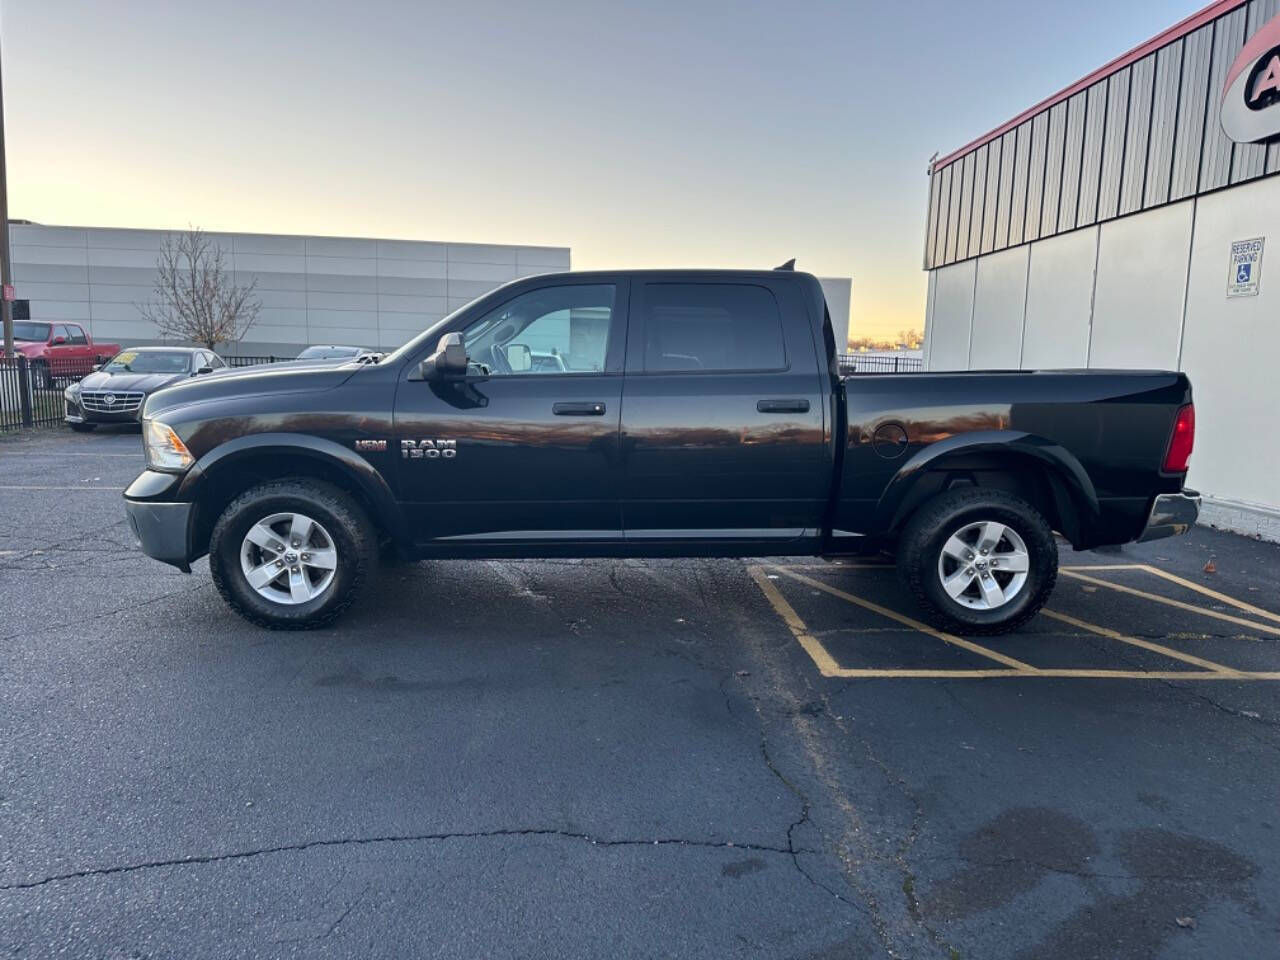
589	409
782	406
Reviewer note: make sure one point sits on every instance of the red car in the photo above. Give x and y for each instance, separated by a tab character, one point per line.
58	349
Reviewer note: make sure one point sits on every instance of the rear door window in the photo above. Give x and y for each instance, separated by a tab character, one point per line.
711	327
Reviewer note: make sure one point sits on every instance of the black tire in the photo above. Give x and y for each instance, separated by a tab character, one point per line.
82	427
920	550
354	540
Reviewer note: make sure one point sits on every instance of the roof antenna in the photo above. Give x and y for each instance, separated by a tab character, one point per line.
789	265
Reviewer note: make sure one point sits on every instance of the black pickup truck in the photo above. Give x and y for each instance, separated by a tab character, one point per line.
653	414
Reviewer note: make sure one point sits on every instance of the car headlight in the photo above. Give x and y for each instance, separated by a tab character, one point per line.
164	448
72	390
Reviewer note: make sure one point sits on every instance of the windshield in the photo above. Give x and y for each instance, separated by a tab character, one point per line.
330	353
31	331
149	361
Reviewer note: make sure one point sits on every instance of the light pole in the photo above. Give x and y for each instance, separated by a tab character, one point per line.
6	267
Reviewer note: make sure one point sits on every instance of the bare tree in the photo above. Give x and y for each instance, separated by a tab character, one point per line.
196	296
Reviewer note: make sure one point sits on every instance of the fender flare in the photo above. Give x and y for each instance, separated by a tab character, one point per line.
370	482
1073	490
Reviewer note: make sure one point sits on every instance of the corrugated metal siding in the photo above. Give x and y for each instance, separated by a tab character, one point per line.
966	208
991	194
1164	124
1072	153
1053	170
1113	141
953	213
1146	135
1215	161
931	228
1193	98
1021	178
1133	180
1035	175
944	206
1095	124
1004	204
979	199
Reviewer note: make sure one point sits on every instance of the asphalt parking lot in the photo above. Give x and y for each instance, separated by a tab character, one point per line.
616	758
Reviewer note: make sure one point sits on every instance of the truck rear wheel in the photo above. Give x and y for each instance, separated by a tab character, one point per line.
291	554
980	561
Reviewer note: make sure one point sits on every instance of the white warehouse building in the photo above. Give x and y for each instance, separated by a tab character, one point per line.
1124	222
349	290
363	292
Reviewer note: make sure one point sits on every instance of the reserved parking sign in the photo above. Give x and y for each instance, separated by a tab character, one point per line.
1246	268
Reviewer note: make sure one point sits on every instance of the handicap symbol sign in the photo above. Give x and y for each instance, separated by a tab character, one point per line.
1245	267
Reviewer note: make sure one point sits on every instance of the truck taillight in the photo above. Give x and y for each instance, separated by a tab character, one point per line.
1183	439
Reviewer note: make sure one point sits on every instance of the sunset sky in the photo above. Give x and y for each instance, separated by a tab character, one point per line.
668	133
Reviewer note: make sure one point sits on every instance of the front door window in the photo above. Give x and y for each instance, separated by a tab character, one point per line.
555	330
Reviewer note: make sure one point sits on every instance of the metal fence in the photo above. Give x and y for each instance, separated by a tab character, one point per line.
879	363
31	390
253	361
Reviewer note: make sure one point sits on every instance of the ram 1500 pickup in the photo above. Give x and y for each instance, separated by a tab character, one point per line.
687	413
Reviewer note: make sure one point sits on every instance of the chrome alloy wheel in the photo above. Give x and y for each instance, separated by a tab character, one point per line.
288	558
983	565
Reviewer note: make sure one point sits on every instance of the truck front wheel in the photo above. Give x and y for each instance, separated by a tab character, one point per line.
981	561
291	554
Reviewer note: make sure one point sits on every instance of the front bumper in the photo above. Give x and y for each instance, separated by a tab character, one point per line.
73	412
1171	514
163	530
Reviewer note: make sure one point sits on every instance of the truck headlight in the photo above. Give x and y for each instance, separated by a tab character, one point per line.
165	450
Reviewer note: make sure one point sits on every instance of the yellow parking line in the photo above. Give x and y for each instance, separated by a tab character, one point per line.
1220	597
826	664
1144	644
1190	607
828	667
909	622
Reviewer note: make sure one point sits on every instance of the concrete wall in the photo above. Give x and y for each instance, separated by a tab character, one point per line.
367	292
1144	291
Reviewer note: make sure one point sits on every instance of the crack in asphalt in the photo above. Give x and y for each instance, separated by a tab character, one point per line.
131	606
198	859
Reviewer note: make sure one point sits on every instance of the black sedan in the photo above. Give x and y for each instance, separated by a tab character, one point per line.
114	392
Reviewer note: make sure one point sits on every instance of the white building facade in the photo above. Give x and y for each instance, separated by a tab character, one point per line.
1131	221
347	290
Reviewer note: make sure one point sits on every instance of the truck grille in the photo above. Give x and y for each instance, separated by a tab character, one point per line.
110	401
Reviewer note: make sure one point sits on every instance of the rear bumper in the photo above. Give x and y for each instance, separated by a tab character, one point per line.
163	530
1171	514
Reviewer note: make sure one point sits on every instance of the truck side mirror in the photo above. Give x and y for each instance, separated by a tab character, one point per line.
520	357
450	359
57	340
